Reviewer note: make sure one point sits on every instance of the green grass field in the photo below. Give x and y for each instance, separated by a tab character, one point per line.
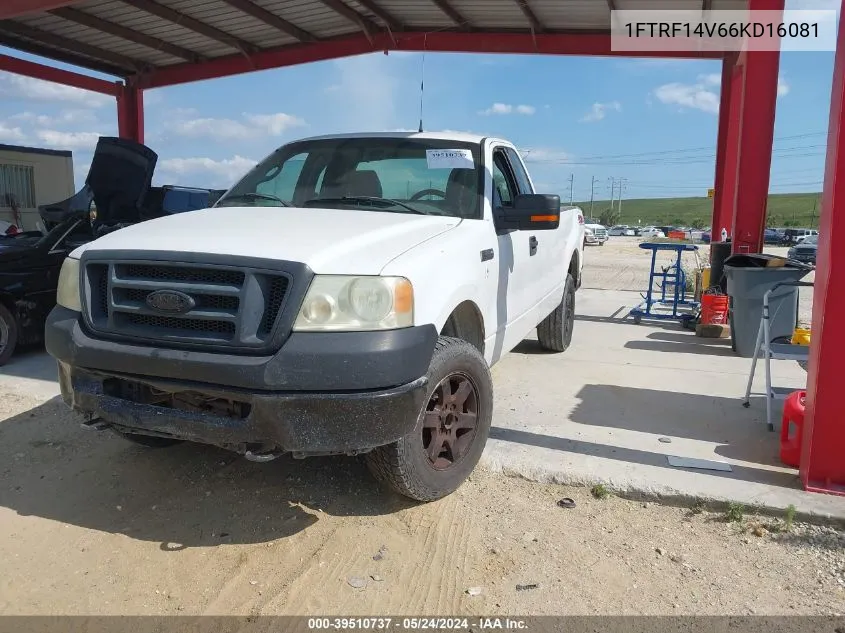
787	209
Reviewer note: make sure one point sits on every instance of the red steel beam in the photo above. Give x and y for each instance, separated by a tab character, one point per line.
727	141
17	8
597	44
47	73
756	138
822	466
130	113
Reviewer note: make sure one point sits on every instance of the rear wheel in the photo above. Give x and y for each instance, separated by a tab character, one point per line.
8	334
434	459
555	331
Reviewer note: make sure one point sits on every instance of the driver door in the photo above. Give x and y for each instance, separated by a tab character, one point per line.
514	300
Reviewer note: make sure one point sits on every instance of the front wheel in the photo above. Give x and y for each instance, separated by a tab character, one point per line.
443	449
8	334
555	331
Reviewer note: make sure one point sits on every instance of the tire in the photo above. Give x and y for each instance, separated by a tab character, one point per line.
555	331
405	465
150	441
8	334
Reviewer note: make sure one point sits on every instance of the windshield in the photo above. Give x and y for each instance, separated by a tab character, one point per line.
396	175
812	239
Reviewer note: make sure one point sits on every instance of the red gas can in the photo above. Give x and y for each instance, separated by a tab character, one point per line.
791	429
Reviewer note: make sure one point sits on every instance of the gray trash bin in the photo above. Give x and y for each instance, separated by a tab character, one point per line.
749	278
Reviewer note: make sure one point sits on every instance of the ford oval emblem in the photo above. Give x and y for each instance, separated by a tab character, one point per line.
170	301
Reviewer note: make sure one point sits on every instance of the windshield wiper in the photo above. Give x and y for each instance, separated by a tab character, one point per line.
252	195
385	202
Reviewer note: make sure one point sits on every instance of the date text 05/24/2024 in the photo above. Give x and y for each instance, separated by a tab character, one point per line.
476	624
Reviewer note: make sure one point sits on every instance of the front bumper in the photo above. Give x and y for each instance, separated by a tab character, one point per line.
322	393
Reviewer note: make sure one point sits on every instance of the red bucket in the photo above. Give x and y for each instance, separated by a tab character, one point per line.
714	309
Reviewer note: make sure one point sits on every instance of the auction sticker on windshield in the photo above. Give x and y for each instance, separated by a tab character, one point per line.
449	159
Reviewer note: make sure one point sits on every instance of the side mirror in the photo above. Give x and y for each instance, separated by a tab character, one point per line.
532	212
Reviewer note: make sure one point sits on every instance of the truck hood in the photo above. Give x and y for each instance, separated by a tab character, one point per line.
118	180
329	241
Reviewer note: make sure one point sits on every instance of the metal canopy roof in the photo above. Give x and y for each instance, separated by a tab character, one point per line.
156	42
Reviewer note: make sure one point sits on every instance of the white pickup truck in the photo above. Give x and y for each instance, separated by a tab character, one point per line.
348	295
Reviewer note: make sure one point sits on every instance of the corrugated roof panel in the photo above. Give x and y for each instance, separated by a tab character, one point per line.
100	39
573	14
232	21
149	24
311	15
58	49
366	12
417	13
492	14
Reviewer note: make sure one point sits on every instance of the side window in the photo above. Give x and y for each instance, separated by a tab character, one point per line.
504	187
522	180
282	183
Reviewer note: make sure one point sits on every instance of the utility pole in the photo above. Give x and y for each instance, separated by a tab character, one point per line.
612	191
622	182
571	187
592	195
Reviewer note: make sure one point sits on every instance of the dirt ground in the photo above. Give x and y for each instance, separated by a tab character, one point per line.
622	265
90	524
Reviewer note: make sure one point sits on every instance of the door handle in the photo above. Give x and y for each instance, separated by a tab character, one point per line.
487	254
532	245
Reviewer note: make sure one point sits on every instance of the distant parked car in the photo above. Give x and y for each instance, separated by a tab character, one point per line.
706	237
772	236
651	232
595	234
796	236
805	251
621	229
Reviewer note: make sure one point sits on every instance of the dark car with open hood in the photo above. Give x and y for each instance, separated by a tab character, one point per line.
118	192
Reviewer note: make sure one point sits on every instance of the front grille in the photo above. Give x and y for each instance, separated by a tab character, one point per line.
231	306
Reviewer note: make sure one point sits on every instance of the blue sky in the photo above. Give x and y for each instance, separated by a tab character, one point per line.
591	117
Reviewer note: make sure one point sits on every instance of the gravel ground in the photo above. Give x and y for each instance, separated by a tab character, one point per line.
90	524
622	265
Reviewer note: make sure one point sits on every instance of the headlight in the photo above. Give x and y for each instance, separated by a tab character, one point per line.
346	303
67	294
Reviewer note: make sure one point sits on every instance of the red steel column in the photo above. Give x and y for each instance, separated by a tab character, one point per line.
724	182
823	443
130	113
756	138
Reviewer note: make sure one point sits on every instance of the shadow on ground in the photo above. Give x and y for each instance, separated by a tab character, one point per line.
31	362
183	496
739	433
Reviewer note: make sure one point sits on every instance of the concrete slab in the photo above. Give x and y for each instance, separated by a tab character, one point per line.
598	413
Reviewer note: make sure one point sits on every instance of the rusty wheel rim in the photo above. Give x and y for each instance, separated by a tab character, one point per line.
450	421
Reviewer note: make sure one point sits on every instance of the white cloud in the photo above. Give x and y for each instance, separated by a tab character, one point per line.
702	95
598	111
698	96
253	126
544	155
67	117
209	172
275	124
9	134
20	87
506	108
68	140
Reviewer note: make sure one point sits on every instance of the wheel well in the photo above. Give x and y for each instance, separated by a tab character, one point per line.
574	268
466	323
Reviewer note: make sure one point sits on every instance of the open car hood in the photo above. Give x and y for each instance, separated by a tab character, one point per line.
118	181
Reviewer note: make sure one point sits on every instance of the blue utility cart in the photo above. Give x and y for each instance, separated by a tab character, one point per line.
667	296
